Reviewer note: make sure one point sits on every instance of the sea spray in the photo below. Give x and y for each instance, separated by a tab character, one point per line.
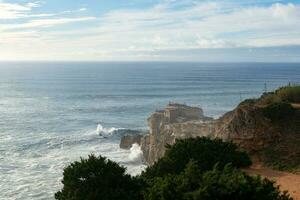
105	131
117	132
136	154
99	129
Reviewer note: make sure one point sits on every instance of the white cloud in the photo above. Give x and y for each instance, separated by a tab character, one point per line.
82	9
42	23
15	10
23	10
206	25
129	33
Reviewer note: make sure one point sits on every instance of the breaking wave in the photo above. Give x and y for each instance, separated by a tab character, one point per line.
105	131
117	132
136	154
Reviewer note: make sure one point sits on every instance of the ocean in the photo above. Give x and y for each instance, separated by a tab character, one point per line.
49	111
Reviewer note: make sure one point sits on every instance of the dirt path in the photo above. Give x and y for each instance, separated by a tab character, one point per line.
287	181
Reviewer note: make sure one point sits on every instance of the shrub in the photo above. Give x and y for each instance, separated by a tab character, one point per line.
226	183
198	176
278	111
231	183
97	178
248	101
204	151
289	93
269	98
283	154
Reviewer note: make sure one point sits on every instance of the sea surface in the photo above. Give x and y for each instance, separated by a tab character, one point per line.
49	112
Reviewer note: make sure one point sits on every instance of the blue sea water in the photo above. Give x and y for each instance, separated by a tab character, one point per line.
49	111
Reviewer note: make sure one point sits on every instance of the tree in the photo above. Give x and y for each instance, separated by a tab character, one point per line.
192	169
204	151
97	178
221	184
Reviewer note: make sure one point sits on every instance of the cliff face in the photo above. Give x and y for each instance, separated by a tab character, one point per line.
175	121
245	126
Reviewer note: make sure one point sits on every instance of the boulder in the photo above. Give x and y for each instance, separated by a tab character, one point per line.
128	140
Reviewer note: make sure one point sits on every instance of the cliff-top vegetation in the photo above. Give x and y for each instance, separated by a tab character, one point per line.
192	169
282	107
282	104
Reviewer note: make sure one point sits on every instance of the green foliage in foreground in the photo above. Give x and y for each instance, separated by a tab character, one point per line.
205	151
98	178
216	184
193	169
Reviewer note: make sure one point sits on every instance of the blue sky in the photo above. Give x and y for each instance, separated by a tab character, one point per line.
162	30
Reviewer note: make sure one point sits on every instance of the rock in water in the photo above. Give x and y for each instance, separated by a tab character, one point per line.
128	140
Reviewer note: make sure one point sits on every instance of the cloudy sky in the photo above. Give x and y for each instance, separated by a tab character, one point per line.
168	30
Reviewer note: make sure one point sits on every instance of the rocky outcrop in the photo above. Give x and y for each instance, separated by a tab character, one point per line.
248	127
145	146
128	140
174	122
245	126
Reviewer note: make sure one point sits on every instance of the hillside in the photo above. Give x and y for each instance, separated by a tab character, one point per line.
268	128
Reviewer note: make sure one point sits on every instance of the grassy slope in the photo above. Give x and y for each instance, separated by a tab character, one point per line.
284	154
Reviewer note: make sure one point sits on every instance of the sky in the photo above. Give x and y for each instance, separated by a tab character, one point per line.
150	30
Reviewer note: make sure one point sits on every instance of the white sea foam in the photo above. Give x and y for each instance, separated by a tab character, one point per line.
36	169
136	154
105	131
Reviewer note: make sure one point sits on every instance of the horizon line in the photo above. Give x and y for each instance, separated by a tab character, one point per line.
139	61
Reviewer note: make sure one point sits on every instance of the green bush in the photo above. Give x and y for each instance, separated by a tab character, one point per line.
283	154
205	151
289	93
278	111
269	98
192	169
248	101
97	178
220	184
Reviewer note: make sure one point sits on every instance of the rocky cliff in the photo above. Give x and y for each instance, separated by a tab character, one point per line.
245	125
174	122
267	127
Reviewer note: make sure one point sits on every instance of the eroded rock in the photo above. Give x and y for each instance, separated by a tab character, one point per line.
128	140
175	121
245	126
